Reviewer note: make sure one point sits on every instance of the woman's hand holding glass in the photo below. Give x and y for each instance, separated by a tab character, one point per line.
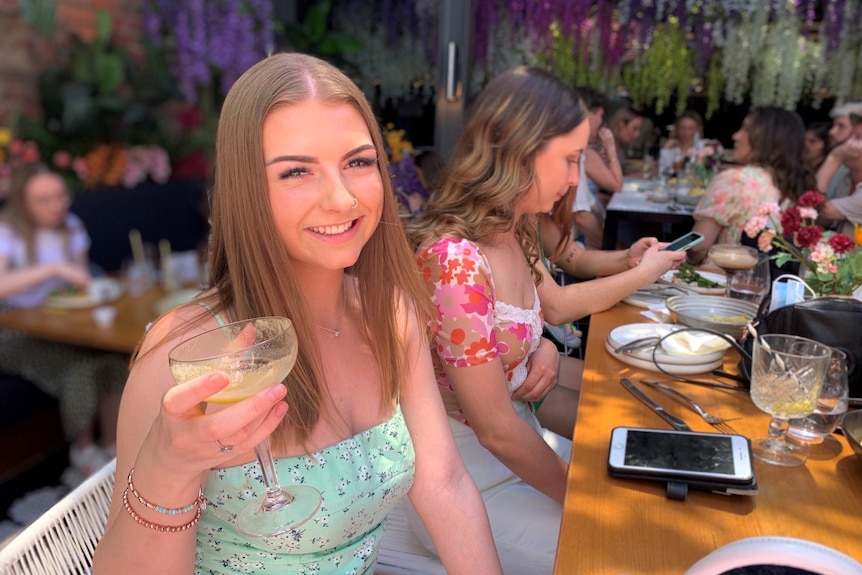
254	354
191	432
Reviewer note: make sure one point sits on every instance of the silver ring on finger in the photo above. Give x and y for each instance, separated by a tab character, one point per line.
224	448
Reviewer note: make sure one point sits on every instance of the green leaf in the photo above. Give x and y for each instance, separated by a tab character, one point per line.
41	14
782	258
337	43
316	20
109	72
104	27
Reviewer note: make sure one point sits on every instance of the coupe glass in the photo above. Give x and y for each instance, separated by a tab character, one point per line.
831	405
787	373
751	284
732	258
254	354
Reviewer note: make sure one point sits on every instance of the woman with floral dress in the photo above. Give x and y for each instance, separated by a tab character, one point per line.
304	225
478	254
769	146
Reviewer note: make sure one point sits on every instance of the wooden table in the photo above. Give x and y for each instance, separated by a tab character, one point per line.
618	526
636	206
78	328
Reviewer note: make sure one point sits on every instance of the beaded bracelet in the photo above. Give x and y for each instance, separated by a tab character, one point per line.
199	503
155	526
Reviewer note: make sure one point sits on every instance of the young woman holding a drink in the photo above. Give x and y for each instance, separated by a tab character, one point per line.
305	226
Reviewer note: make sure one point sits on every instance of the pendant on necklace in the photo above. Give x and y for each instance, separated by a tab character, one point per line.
336	333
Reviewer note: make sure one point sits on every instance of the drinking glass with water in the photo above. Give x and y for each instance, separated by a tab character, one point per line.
831	406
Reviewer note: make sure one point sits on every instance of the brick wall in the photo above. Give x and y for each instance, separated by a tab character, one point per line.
25	52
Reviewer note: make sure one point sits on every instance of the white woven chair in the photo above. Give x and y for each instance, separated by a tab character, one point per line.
62	541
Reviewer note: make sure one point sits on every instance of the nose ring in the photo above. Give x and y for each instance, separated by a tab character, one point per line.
355	204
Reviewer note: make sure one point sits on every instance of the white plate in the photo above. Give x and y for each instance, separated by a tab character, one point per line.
630	332
101	291
643	298
718	278
671	368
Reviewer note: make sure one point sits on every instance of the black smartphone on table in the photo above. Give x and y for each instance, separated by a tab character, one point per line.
685	242
685	456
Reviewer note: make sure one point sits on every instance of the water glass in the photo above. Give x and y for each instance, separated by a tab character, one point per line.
831	406
751	284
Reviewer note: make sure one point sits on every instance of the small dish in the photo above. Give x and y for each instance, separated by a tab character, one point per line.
102	290
711	276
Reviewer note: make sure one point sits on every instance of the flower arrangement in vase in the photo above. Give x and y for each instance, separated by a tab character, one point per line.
832	262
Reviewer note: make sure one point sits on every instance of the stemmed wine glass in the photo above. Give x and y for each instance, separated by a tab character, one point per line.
732	258
787	373
254	354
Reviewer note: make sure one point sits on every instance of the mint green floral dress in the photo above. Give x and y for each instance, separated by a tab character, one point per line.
360	479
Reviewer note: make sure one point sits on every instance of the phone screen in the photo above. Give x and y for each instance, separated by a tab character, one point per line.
684	452
685	242
714	455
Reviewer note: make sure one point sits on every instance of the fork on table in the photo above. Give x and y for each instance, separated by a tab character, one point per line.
720	423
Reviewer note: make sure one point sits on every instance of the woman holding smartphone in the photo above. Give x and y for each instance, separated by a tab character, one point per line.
478	249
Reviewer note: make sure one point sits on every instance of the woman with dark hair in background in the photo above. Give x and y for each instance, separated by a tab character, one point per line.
769	147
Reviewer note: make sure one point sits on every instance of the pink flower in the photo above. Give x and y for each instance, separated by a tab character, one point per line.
79	166
841	243
62	159
808	213
768	209
754	226
764	242
810	199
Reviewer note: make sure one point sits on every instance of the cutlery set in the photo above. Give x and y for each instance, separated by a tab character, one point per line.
717	422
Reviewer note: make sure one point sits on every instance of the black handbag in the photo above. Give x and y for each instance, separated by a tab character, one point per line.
834	321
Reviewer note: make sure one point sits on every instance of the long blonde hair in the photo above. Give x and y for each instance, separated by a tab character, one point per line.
493	165
250	269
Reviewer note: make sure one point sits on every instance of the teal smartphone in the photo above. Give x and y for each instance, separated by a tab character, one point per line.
683	243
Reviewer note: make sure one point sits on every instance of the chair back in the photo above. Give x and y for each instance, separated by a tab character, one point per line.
63	540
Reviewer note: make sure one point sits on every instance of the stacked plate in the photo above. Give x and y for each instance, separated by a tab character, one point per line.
684	353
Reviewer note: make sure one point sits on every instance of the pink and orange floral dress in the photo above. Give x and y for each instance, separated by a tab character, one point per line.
732	199
472	326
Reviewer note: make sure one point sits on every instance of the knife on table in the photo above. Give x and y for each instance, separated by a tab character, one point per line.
675	422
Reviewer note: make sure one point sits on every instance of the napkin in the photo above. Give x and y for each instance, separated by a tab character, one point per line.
694	343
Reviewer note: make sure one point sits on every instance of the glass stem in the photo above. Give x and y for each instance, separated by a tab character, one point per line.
777	429
275	495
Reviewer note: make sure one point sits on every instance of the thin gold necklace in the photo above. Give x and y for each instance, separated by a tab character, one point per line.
337	331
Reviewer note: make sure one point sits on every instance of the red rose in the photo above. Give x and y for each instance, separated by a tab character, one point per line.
791	221
841	243
810	199
809	236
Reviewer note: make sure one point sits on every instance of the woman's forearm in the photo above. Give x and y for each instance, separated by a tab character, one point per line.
562	304
517	445
470	548
13	282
